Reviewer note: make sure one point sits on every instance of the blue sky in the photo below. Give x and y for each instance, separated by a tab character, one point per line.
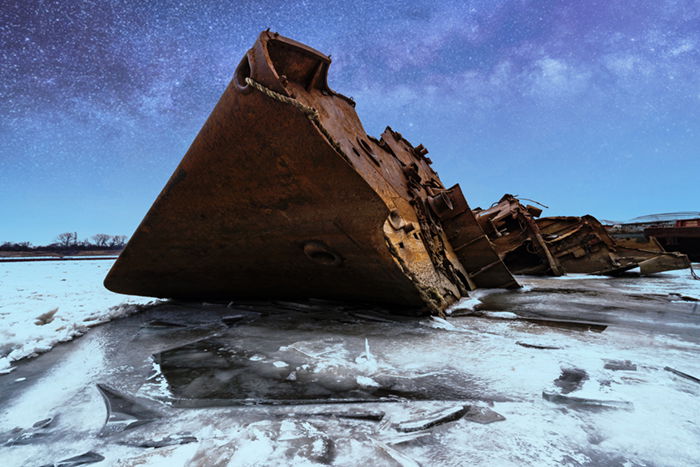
591	107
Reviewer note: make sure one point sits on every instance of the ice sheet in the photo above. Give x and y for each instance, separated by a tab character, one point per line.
70	297
434	364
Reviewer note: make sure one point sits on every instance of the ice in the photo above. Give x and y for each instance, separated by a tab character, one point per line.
429	420
82	459
682	375
400	458
6	365
400	438
44	303
483	415
352	375
501	315
620	365
367	381
570	379
678	282
366	362
439	323
537	346
586	402
46	318
171	440
124	412
473	301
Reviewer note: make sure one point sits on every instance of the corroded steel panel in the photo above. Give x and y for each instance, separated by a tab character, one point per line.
650	255
581	245
473	247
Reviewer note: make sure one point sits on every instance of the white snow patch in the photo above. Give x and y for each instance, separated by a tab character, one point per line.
5	366
475	298
501	315
366	361
255	445
44	303
439	323
366	381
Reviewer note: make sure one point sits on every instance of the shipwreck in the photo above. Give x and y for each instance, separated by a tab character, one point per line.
283	194
554	246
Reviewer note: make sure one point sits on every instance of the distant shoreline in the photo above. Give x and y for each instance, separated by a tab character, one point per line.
56	258
52	255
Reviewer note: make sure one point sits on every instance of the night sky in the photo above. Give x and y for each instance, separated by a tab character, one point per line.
587	106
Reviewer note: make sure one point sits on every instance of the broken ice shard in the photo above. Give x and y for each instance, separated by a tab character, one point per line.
124	412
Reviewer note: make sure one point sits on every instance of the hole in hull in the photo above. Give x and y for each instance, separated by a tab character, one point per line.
242	72
319	253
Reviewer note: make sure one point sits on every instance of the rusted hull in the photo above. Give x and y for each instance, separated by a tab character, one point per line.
283	195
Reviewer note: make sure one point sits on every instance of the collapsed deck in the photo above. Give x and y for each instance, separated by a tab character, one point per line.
557	245
283	195
512	229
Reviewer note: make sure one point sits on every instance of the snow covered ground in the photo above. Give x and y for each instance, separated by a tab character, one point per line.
577	371
43	303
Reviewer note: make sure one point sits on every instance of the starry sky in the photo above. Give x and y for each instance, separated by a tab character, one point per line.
589	106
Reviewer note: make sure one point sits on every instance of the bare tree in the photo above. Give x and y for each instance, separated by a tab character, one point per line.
67	239
101	240
117	241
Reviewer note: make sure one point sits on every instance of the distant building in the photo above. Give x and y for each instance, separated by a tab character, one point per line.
676	231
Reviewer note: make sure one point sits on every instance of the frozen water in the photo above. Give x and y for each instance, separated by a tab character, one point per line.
44	303
577	375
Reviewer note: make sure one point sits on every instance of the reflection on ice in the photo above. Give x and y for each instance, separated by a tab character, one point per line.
222	370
